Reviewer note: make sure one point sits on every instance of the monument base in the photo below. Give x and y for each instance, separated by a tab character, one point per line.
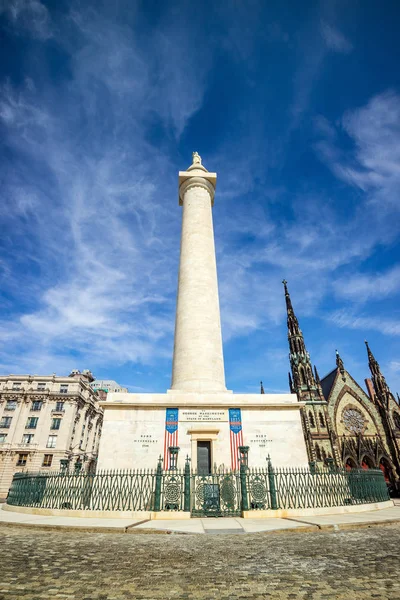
208	428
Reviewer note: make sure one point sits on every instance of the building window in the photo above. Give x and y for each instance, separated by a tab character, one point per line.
41	387
60	406
3	437
11	405
16	386
396	419
47	460
311	419
64	388
51	442
31	423
22	458
318	453
321	420
27	438
5	422
353	420
82	435
55	424
36	405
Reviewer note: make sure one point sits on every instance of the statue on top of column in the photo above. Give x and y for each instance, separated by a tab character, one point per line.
196	158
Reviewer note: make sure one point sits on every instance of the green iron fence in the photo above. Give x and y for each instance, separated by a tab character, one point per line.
105	490
304	488
216	494
222	493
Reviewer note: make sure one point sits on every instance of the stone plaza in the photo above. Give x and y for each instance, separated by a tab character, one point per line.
347	565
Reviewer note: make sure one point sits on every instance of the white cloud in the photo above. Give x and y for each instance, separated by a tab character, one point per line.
344	318
373	165
375	286
104	239
31	16
394	366
334	39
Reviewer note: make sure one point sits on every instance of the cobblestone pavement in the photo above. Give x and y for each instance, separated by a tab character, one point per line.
361	564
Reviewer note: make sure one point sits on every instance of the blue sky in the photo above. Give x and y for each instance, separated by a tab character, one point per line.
295	104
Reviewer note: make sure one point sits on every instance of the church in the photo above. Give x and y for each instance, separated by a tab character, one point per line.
343	424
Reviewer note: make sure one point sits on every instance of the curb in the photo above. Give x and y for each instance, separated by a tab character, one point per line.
87	529
132	530
76	528
365	525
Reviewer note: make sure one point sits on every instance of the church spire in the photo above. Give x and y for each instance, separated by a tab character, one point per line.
340	365
292	322
261	388
304	382
381	388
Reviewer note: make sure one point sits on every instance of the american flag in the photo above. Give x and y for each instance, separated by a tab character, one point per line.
236	435
171	434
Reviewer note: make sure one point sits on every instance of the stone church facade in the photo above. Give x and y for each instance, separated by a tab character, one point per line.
342	424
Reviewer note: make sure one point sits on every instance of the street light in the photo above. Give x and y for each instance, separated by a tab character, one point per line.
244	455
173	452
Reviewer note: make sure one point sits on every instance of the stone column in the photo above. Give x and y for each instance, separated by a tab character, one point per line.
198	364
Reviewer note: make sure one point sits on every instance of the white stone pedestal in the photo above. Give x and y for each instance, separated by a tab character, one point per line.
134	429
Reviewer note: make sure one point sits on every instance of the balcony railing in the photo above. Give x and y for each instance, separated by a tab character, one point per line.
25	445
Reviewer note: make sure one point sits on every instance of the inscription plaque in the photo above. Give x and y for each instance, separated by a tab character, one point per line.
203	414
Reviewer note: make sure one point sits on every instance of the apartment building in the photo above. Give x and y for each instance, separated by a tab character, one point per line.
47	423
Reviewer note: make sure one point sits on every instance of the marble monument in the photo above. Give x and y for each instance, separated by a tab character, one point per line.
198	417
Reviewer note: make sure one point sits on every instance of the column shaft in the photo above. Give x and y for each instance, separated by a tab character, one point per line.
198	359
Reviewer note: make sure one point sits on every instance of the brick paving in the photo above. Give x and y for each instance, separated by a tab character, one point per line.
360	564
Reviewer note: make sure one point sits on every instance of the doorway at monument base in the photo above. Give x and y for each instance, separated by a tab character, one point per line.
216	431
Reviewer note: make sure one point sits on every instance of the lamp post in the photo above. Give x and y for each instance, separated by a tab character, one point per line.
244	456
64	464
243	459
173	452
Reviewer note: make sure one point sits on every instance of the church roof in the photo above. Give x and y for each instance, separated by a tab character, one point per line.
327	383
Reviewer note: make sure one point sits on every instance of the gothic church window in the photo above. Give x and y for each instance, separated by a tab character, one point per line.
350	464
353	420
396	419
321	420
311	419
318	452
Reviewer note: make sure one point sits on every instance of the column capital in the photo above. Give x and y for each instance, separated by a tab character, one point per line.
195	181
197	175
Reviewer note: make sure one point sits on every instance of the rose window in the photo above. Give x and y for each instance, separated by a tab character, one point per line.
353	420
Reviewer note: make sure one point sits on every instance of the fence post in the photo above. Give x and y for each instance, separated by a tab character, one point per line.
186	492
157	493
272	488
330	464
243	487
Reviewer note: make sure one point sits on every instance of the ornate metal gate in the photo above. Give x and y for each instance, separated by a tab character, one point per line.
216	495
